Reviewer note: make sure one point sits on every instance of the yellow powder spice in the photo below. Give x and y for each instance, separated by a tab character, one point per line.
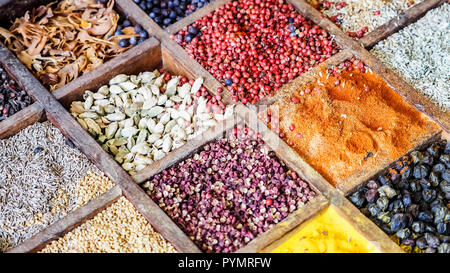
328	232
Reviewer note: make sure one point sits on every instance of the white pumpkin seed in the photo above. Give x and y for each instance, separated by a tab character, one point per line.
196	86
167	145
153	137
118	79
162	99
140	148
115	89
158	155
171	87
115	117
127	86
129	132
183	91
154	111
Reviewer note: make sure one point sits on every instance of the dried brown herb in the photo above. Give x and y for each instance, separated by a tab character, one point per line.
60	43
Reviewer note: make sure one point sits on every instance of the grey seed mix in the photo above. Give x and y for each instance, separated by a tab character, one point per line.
421	54
39	179
357	14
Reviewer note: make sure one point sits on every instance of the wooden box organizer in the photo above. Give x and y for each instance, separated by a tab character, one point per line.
159	50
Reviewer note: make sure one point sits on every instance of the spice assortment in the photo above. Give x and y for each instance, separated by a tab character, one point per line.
40	178
167	12
358	17
12	97
247	187
229	192
117	229
420	54
254	47
347	121
59	43
141	118
317	235
410	201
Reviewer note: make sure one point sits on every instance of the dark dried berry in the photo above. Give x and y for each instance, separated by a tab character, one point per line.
374	210
443	228
427	160
372	184
425	216
429	195
439	213
446	175
406	172
439	168
403	233
421	243
416	156
371	195
432	240
70	143
418	227
445	186
387	191
398	221
447	148
385	217
396	206
433	150
414	186
417	197
413	210
420	171
434	179
383	203
406	199
408	242
444	248
383	180
358	199
37	150
445	159
386	229
424	184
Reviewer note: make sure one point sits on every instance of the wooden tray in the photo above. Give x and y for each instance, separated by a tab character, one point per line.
160	51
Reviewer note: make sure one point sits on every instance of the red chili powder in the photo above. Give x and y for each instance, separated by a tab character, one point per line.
350	123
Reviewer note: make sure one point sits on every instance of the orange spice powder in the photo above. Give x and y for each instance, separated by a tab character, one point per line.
350	124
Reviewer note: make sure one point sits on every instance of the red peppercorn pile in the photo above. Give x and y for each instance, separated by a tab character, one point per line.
254	47
229	192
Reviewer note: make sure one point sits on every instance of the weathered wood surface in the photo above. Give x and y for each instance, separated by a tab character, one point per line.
69	222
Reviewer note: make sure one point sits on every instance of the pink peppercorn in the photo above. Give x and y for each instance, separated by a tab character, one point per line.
254	47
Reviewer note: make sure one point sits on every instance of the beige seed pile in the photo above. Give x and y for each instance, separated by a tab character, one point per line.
117	229
92	186
360	13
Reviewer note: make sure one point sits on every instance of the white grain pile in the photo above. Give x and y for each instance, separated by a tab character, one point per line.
36	190
421	54
360	13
